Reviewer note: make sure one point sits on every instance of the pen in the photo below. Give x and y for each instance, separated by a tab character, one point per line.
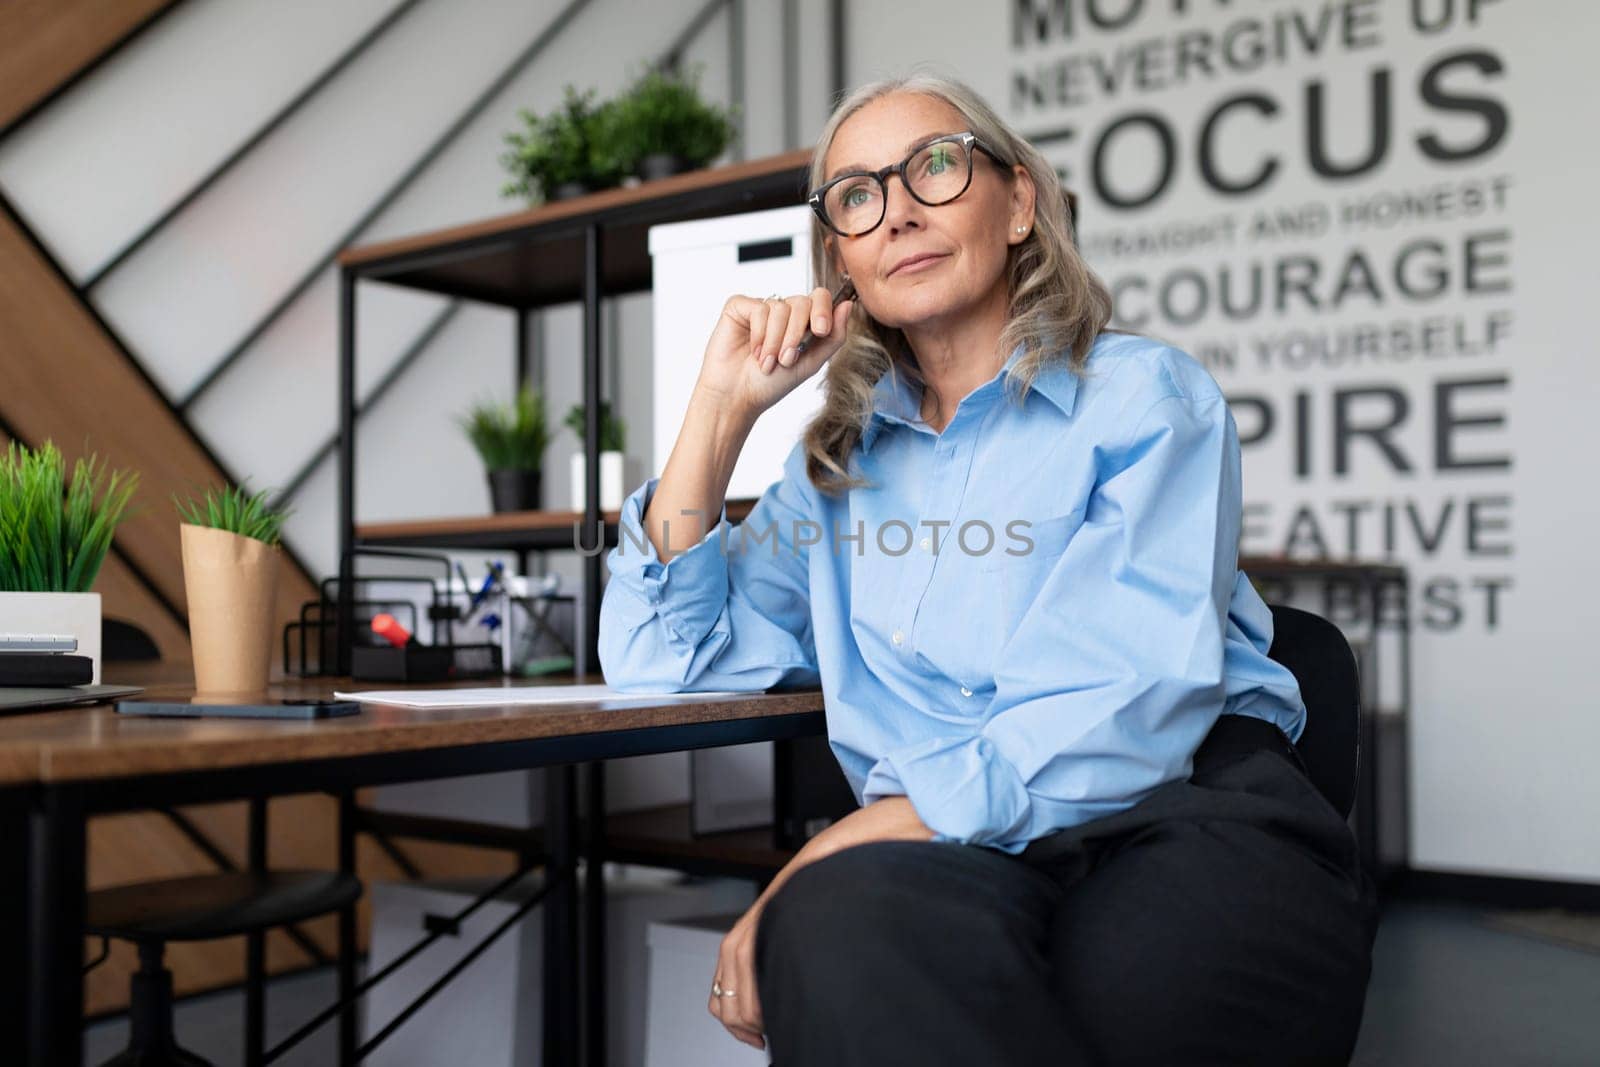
846	291
483	591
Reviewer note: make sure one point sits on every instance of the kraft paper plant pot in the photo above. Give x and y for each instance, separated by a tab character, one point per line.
611	478
230	581
77	614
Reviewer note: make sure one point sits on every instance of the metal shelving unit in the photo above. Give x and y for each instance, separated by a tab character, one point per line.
575	250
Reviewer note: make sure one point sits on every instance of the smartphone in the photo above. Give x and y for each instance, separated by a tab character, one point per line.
244	708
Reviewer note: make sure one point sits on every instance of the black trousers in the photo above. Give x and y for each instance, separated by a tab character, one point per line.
1222	920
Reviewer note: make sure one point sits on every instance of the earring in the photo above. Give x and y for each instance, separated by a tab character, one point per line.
1022	229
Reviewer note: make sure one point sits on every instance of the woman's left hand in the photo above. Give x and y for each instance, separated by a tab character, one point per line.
886	819
740	1010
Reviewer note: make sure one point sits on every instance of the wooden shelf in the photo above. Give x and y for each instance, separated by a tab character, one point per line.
504	530
654	837
661	837
535	257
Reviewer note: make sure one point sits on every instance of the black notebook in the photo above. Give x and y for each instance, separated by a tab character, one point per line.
45	669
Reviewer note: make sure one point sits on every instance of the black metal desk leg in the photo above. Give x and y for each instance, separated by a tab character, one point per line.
560	917
347	935
594	918
255	943
14	886
57	897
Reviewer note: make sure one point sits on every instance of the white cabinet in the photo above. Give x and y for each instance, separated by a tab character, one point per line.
491	1015
697	266
679	1030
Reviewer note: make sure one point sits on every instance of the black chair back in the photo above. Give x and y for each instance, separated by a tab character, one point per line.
125	642
1320	658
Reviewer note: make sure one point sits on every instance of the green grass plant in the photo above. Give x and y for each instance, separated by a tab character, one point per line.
54	534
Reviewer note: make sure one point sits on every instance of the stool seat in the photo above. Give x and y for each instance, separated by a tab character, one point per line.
207	906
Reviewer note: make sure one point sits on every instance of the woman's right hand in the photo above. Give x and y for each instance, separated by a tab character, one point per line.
751	363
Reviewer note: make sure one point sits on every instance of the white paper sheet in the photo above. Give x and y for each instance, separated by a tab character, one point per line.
527	694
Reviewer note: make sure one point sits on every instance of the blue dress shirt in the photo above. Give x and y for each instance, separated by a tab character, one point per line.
1031	620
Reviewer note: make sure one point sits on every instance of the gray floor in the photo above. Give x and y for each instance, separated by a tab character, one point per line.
1450	985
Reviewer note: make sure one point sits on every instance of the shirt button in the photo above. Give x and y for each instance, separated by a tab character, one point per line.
926	543
965	691
898	638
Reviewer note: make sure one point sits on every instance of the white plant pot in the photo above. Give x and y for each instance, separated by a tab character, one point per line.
610	481
77	614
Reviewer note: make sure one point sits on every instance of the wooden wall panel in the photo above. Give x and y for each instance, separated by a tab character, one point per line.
44	43
62	378
123	596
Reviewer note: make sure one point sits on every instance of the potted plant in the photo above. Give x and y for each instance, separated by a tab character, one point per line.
660	126
54	536
613	432
231	550
511	439
555	156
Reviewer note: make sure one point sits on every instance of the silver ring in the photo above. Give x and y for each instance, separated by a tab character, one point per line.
718	991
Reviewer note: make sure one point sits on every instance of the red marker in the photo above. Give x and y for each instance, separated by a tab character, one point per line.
388	627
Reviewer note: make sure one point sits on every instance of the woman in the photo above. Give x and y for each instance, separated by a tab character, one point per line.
1006	548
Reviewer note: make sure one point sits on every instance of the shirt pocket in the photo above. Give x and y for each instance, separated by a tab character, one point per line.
1020	578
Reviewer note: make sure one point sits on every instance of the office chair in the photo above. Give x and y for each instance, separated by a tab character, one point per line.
1317	654
125	642
200	908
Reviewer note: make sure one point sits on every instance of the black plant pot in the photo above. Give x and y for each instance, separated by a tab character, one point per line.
662	165
514	490
568	190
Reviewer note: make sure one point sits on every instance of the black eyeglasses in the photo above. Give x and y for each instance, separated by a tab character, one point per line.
936	173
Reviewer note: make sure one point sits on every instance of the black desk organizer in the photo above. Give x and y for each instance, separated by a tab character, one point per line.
373	659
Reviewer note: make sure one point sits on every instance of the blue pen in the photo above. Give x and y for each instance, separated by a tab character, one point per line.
483	591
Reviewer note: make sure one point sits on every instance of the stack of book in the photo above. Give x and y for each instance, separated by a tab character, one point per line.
36	660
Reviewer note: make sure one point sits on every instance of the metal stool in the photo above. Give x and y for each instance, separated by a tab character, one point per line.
199	908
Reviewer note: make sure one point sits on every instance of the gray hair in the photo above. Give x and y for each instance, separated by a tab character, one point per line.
1058	306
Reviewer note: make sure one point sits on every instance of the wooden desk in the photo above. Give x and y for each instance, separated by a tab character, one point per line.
58	768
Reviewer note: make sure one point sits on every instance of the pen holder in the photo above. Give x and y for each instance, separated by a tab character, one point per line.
425	663
412	663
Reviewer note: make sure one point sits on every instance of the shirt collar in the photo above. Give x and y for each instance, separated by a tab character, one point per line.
896	399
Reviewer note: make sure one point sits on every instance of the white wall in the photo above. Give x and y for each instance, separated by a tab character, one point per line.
1504	728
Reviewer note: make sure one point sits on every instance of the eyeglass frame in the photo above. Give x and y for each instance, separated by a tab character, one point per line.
969	141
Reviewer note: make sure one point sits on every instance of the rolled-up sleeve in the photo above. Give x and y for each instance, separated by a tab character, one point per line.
1114	673
730	612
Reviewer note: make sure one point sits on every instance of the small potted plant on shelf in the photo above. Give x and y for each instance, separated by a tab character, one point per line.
555	156
231	547
511	439
613	432
660	126
54	536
